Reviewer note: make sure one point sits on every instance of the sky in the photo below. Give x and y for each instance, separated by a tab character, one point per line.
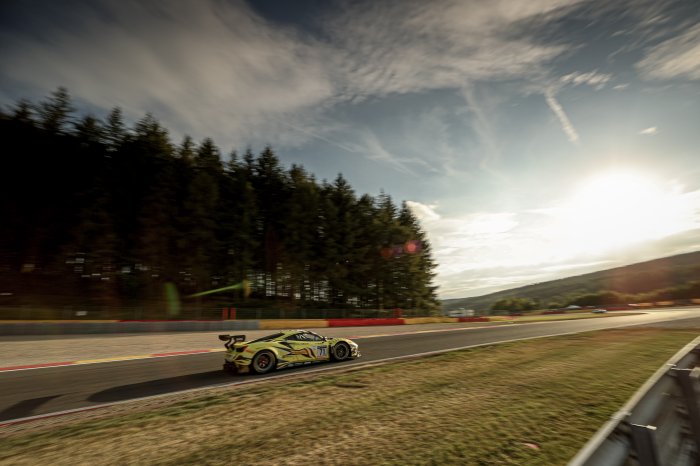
534	139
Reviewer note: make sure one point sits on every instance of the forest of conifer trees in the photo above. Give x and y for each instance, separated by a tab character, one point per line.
96	212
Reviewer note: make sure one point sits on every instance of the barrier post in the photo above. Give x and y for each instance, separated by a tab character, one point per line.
224	314
232	313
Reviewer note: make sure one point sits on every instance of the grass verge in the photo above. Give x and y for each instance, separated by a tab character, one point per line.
530	402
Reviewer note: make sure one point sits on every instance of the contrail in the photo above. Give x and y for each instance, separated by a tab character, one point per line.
563	119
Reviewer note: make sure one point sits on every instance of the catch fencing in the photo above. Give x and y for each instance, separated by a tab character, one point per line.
659	425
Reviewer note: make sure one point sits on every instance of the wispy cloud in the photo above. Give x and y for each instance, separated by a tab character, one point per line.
558	110
484	129
592	78
224	72
678	57
372	146
410	46
228	73
649	131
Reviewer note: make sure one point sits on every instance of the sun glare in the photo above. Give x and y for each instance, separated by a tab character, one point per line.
618	209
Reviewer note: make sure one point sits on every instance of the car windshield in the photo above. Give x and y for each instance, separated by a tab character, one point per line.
313	336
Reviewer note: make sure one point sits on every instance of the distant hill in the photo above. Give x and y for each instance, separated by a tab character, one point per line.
636	278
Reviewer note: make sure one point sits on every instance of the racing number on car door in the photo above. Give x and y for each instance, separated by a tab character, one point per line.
321	351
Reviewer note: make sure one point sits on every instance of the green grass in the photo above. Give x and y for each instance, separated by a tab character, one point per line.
479	406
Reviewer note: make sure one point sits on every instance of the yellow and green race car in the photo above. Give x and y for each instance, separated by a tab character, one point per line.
286	348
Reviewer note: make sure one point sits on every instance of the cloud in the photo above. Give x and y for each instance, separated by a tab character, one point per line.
678	57
484	252
558	110
484	129
411	46
592	78
228	73
423	212
222	72
650	131
372	147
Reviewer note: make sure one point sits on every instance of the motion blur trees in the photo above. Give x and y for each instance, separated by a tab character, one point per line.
515	304
99	212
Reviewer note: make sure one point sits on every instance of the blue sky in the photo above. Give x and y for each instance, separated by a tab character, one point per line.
534	139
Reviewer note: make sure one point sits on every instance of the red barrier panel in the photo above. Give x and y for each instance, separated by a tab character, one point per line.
474	319
363	322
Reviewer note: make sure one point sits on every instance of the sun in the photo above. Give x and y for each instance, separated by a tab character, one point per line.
617	209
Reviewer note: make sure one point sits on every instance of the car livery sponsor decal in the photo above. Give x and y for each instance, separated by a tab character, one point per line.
321	351
307	352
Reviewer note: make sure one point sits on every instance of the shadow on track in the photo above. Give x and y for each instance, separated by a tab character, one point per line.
184	382
24	408
161	386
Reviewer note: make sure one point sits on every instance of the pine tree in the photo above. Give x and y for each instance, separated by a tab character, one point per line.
236	212
202	205
115	133
340	240
23	112
271	192
154	241
187	149
55	113
302	234
416	266
389	237
89	130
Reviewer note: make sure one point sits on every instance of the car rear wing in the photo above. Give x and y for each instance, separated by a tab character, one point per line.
231	339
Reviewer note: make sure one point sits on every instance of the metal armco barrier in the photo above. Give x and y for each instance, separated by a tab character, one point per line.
659	425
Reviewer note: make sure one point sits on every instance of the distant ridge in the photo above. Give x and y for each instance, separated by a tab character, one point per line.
635	278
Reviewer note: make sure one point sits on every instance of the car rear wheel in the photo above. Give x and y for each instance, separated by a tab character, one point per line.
263	362
341	351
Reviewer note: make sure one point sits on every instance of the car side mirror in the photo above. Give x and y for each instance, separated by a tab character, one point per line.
224	337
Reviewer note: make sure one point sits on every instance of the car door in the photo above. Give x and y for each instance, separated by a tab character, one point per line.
300	349
319	346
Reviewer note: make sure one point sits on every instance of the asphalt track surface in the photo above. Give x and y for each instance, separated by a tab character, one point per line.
50	390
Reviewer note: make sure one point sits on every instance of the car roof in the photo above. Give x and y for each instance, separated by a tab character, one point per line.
292	332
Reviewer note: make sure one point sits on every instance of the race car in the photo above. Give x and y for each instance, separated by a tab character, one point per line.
286	348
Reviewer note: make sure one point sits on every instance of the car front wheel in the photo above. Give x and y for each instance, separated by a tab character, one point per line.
263	362
341	351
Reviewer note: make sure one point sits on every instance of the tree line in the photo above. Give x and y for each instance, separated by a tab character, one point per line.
685	292
99	211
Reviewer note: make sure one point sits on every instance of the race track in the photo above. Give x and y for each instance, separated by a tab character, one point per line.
48	390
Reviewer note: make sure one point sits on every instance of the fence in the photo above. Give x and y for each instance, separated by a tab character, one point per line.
205	312
659	425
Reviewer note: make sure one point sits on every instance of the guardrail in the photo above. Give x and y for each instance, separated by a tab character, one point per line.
659	425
